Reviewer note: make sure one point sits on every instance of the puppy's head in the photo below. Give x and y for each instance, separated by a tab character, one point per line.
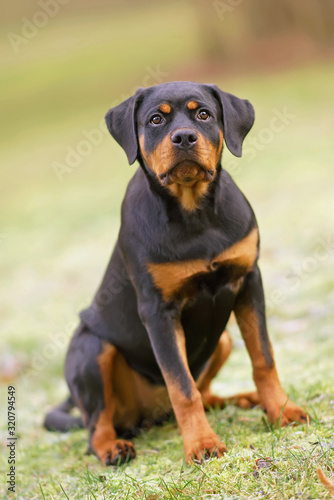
178	129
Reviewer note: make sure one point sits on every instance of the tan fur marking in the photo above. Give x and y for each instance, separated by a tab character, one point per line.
218	358
216	361
192	105
243	253
136	397
196	432
272	396
170	277
189	196
104	429
164	156
328	483
165	108
153	399
266	378
128	397
208	155
161	158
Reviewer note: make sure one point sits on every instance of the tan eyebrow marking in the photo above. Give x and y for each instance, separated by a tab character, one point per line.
192	105
165	108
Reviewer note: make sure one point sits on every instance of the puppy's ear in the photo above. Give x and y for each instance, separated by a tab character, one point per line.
238	118
121	123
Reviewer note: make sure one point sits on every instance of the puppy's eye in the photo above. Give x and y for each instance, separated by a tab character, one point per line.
156	119
203	115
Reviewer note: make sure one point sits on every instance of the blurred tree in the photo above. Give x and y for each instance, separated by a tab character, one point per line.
227	27
312	17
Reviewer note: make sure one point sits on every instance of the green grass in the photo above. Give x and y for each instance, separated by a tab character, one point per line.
56	238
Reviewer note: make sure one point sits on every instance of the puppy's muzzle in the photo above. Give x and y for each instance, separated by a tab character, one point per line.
187	173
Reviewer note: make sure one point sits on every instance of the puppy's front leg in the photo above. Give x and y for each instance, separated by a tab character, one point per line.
168	342
250	313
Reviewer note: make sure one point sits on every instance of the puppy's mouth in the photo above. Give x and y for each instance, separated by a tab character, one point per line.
186	173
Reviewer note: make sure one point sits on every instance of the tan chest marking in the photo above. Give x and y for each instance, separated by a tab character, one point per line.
189	197
170	277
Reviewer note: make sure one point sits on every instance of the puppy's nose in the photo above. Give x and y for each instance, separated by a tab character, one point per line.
184	138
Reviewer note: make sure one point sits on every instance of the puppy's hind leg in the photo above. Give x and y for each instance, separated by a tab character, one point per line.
89	369
215	363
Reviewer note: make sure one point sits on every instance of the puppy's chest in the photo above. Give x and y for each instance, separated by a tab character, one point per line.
184	278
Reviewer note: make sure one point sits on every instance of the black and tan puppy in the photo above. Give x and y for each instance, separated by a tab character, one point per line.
186	257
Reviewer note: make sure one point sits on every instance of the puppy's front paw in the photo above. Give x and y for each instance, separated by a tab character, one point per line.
287	414
204	448
116	452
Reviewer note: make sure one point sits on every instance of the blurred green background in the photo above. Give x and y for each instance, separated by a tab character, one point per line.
62	177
